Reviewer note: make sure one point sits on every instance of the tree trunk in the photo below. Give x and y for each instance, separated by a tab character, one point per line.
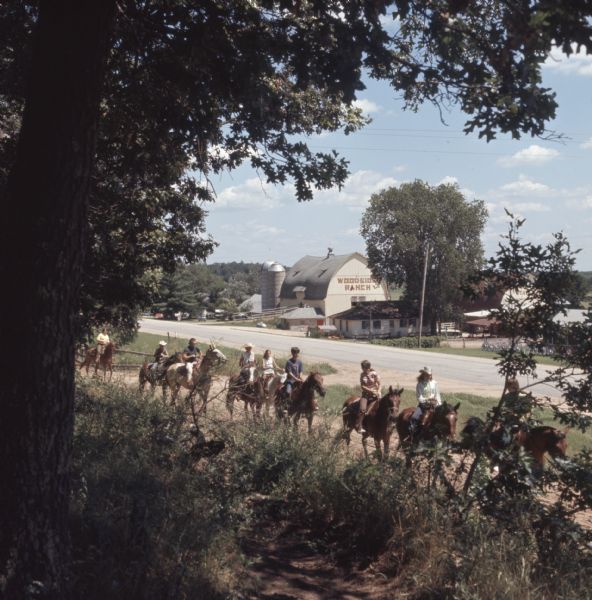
43	241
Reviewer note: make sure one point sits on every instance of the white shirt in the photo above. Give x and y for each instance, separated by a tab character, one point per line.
426	390
247	359
268	365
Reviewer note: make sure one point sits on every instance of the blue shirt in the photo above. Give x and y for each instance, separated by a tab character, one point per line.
294	368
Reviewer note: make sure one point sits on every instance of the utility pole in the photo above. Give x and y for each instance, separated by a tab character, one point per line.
423	286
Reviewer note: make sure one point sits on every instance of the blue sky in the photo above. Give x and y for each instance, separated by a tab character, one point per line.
548	183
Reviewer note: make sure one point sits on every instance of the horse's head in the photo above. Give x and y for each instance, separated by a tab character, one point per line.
392	400
557	447
315	381
444	419
214	357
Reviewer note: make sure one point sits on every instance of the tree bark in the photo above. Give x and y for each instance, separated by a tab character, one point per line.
43	241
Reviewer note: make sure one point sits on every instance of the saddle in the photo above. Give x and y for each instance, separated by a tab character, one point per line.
353	408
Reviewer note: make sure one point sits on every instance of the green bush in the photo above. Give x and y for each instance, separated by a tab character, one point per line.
409	342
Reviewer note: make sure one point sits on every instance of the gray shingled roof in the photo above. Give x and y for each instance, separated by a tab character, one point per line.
304	312
315	273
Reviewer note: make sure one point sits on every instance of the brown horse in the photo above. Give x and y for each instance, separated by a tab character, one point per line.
437	422
196	377
379	421
302	402
537	441
252	394
90	358
104	360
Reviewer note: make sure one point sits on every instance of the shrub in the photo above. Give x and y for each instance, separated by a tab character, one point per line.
409	342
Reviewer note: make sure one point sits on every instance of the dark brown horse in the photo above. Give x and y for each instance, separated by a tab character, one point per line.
379	421
302	401
437	422
252	394
537	441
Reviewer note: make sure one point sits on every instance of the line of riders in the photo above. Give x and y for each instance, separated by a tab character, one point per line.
517	406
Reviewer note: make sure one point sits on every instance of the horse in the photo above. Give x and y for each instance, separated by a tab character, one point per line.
90	358
105	360
156	375
196	377
251	393
302	401
379	421
537	441
437	422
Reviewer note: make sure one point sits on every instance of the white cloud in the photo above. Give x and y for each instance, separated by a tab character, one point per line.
399	168
367	106
587	145
533	155
524	187
581	203
523	207
357	189
253	194
577	63
448	180
252	229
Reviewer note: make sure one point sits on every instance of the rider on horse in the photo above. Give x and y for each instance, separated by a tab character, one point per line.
192	353
160	355
294	369
102	341
247	365
370	384
268	367
428	396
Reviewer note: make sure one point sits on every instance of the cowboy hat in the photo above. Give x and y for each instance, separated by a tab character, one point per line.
162	343
248	345
426	370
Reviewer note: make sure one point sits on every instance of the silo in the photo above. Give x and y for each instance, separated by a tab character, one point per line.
272	277
277	274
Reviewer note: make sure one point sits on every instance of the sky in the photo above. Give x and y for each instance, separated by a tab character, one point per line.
549	183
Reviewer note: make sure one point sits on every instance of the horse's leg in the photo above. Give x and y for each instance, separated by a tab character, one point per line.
365	444
230	403
309	418
378	448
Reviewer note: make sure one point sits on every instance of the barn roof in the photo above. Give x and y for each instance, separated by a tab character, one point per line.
314	273
304	312
380	309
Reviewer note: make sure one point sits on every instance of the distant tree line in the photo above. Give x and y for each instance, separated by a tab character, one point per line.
192	288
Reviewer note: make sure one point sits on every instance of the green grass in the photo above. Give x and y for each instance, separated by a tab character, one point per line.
478	353
470	405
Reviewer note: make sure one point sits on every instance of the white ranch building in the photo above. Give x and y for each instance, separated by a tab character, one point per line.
330	284
376	319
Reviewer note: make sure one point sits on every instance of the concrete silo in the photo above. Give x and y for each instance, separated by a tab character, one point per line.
272	277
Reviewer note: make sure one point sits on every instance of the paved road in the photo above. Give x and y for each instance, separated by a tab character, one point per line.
455	373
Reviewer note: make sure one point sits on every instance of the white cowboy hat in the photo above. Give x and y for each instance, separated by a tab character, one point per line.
249	345
162	343
427	370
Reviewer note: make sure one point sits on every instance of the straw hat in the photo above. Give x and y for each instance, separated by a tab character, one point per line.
426	370
162	343
249	345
